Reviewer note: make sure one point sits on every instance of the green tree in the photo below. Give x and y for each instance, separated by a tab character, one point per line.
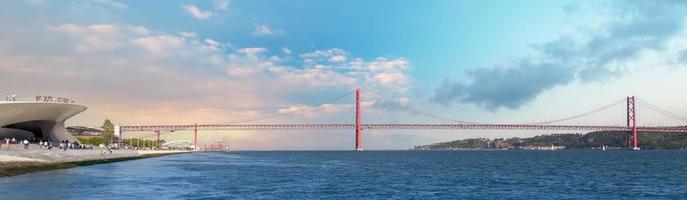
108	131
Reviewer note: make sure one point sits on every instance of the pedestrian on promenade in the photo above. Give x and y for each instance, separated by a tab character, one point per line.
26	144
14	97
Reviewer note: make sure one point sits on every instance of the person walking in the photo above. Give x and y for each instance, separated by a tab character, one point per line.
26	144
14	97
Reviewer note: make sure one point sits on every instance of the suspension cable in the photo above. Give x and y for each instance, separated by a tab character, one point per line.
417	112
580	115
662	111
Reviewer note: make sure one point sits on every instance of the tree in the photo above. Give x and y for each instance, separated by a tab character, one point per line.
108	131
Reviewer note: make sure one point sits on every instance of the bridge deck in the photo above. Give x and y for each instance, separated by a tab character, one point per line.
401	126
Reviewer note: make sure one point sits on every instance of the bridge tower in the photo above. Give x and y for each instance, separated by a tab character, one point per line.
358	128
632	123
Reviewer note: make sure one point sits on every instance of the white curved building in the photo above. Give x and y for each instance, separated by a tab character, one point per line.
37	119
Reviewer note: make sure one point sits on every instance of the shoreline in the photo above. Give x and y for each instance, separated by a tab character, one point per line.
14	165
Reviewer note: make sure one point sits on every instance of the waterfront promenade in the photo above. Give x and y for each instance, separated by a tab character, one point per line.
17	160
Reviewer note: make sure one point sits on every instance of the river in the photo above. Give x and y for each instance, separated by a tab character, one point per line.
569	174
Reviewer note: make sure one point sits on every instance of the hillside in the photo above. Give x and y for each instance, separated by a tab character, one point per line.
647	140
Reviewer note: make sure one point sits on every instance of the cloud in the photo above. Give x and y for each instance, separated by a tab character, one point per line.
314	111
212	42
253	51
195	12
152	73
161	45
682	57
391	78
262	30
36	2
337	58
115	4
639	26
329	55
286	50
140	30
508	87
93	37
221	4
188	34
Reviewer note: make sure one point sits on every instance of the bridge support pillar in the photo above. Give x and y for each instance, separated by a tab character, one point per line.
358	127
195	136
158	138
632	123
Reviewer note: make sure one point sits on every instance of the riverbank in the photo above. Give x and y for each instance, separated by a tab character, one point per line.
17	161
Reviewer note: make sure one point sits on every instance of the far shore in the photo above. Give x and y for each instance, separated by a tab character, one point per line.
17	161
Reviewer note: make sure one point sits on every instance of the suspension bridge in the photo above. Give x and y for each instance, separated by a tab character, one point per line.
657	120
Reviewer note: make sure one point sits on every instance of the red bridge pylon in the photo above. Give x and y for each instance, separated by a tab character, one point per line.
632	123
358	127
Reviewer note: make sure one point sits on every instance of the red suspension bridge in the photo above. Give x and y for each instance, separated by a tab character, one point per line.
630	125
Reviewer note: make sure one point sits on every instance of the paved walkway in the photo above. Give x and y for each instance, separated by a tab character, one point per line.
34	153
5	158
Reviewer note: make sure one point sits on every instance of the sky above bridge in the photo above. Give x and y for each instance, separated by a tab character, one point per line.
182	62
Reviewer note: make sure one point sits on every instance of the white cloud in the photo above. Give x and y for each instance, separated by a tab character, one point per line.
195	12
286	50
314	111
139	30
331	55
149	65
36	2
112	3
315	77
92	37
337	58
212	42
403	101
262	30
153	73
252	51
221	4
324	53
384	64
188	34
391	78
161	45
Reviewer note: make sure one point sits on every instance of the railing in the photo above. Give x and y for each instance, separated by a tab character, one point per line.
52	99
400	126
38	98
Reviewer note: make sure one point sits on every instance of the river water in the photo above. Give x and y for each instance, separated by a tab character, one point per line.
569	174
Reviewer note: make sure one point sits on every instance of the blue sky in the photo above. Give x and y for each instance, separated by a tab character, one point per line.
154	62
